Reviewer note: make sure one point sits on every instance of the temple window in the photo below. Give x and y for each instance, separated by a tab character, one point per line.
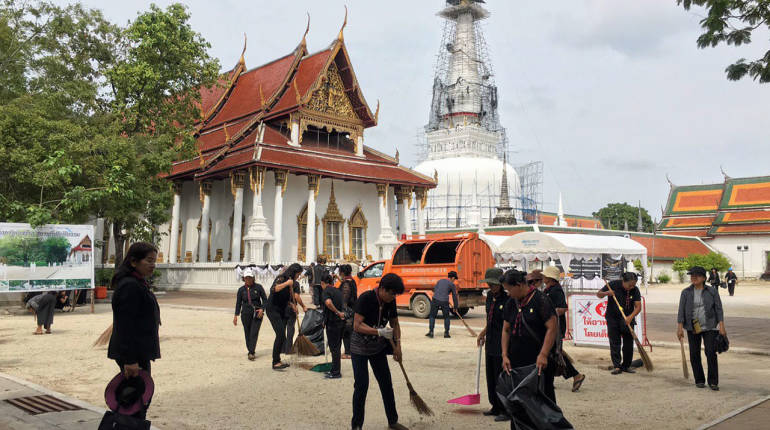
357	225
302	233
332	224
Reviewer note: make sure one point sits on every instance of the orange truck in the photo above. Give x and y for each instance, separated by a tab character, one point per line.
422	262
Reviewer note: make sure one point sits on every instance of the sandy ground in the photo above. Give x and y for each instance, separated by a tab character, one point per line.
205	382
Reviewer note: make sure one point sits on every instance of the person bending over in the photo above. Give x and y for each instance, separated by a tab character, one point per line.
630	298
441	301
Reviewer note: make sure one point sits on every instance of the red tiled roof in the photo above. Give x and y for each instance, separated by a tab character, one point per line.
679	222
693	233
548	218
307	73
670	248
214	138
741	229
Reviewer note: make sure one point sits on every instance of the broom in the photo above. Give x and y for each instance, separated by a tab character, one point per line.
470	330
645	357
303	345
414	398
685	372
104	338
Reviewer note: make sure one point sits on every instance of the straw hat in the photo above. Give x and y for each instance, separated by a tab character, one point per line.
552	272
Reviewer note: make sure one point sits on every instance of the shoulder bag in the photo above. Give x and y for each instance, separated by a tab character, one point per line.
555	356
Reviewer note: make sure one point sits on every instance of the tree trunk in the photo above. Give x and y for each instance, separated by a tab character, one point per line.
120	240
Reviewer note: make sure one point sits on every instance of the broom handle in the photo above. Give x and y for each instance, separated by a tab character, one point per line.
478	371
633	333
400	362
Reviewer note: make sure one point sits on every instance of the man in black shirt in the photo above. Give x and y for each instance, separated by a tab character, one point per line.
629	297
555	293
370	343
490	338
731	280
335	319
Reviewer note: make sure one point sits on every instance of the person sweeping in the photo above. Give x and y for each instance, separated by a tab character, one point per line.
490	339
630	299
370	343
334	320
279	309
555	293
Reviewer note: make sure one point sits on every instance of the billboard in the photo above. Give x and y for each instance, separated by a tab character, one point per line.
50	257
589	327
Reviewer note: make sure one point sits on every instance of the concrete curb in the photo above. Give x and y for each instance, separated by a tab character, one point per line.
77	402
729	415
737	350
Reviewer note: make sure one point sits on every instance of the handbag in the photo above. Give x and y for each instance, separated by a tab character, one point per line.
248	296
115	421
555	356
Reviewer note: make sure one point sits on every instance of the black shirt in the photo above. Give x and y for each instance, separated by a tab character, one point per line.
258	298
730	277
523	347
135	321
495	306
368	305
558	300
626	298
279	301
335	294
349	293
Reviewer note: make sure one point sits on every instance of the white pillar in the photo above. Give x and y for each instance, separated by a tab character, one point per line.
259	231
403	195
382	192
313	182
203	240
295	133
281	176
239	181
360	146
419	195
174	236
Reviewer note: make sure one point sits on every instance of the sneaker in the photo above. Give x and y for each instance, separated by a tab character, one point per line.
700	385
429	334
252	357
714	387
333	376
446	335
502	418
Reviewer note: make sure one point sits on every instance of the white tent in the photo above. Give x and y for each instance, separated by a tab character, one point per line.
529	246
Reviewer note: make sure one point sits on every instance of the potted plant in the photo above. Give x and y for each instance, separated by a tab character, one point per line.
102	279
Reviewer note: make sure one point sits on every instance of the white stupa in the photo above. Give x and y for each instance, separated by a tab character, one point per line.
464	138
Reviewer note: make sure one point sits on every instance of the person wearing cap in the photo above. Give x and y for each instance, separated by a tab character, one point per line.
250	303
630	298
535	279
490	339
555	293
731	279
441	301
700	313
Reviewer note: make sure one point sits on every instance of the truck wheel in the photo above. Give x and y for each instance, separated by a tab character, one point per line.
463	311
421	306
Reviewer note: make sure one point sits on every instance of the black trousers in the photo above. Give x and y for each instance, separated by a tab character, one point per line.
316	291
569	370
291	322
379	363
144	365
731	288
617	331
334	338
251	328
278	321
493	367
45	310
709	343
347	330
435	305
548	389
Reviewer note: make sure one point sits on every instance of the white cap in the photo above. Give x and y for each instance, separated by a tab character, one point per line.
247	272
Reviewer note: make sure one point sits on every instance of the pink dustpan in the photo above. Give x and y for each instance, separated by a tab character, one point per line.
471	399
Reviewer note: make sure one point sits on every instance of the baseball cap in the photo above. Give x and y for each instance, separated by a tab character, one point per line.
697	270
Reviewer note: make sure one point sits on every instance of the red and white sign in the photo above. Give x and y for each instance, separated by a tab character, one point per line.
589	327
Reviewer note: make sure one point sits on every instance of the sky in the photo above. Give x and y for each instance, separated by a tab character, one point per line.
611	96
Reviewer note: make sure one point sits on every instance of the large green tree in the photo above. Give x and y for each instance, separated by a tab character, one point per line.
616	215
734	22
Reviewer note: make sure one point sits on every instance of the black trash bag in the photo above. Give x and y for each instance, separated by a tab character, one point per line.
521	393
722	343
313	328
115	421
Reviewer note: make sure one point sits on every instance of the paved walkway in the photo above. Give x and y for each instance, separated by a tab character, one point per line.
754	416
71	414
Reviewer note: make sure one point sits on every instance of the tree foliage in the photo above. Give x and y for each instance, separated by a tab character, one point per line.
733	22
707	261
21	251
614	216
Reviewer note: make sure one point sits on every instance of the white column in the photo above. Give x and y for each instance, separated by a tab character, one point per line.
203	240
313	182
239	181
402	199
259	231
360	146
294	133
174	236
382	192
281	176
419	194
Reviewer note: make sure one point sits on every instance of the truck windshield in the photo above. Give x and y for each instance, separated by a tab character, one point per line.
442	252
374	271
409	253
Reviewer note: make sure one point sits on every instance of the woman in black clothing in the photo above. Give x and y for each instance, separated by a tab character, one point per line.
280	306
371	342
529	329
334	319
349	297
249	304
491	336
135	313
714	278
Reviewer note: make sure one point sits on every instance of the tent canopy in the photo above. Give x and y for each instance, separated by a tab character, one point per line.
529	246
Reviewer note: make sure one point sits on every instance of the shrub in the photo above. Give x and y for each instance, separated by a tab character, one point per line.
681	275
102	277
664	278
706	261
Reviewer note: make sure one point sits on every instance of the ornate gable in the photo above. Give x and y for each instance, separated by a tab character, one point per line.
330	98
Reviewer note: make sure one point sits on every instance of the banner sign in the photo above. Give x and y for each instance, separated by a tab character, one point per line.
612	269
589	327
48	258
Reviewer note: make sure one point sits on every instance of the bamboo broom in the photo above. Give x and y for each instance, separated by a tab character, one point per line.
104	338
470	330
414	398
685	372
302	345
645	357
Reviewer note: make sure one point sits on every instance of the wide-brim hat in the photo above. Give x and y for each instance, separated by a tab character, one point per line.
492	276
552	272
128	396
697	271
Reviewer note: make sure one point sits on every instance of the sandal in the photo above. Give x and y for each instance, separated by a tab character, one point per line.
38	333
578	382
280	366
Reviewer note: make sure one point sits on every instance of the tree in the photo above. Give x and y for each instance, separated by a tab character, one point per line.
707	261
733	22
615	215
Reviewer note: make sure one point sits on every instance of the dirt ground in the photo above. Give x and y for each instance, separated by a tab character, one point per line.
204	381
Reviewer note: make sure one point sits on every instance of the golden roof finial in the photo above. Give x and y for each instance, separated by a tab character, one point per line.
296	90
307	29
344	23
377	112
227	135
261	96
242	61
200	155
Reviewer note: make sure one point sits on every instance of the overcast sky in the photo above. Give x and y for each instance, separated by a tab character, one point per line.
610	95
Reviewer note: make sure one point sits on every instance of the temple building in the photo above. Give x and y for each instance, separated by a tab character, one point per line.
732	217
283	173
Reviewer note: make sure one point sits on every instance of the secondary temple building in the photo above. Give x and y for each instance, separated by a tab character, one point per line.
283	174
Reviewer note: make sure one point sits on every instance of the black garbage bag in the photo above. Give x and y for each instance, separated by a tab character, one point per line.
521	393
313	328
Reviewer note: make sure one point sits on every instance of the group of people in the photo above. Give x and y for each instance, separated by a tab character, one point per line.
730	280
